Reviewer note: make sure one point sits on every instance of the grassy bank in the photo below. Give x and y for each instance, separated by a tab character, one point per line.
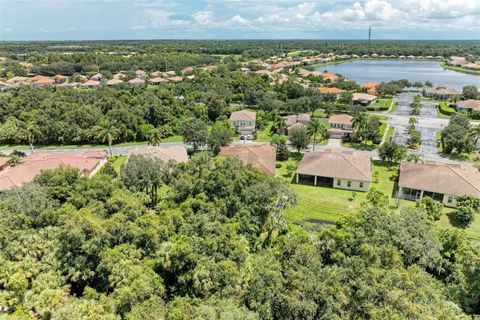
460	69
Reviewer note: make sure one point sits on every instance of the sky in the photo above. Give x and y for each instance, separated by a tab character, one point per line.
238	19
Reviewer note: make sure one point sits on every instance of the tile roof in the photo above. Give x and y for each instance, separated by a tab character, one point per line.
330	90
452	179
243	115
32	165
91	83
294	118
158	80
114	81
363	96
177	153
136	81
259	156
341	118
354	165
469	104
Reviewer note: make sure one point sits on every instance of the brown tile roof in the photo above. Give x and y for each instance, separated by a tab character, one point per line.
438	177
175	79
91	83
330	90
16	79
261	157
32	165
243	115
96	76
41	80
354	165
363	96
158	80
469	104
329	76
177	153
370	85
294	118
341	118
113	82
443	90
136	81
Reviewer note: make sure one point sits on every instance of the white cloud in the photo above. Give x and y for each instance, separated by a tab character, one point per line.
203	17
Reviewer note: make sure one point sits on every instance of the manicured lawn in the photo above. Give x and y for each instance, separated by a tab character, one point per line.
380	105
390	132
394	107
264	135
119	162
444	111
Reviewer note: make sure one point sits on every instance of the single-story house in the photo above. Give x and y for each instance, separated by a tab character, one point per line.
175	79
17	79
60	78
329	77
187	70
96	77
457	61
114	82
468	105
340	126
259	156
155	74
442	92
364	98
136	81
119	76
350	170
91	83
29	167
175	153
335	91
370	87
244	121
440	181
158	80
140	74
42	81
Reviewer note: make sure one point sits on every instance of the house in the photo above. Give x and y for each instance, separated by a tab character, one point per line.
468	105
169	74
457	61
472	66
187	70
329	77
350	170
335	91
296	120
440	181
442	92
26	65
29	167
364	98
340	126
155	74
259	156
91	84
175	153
243	121
158	80
136	81
175	79
118	76
96	77
370	87
60	78
114	82
140	74
42	81
16	79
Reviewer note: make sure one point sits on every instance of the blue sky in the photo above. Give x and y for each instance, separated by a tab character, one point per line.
238	19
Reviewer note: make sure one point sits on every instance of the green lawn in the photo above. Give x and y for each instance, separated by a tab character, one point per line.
394	107
118	162
264	135
317	206
176	138
390	132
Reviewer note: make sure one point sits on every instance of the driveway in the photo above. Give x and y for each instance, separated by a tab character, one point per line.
334	143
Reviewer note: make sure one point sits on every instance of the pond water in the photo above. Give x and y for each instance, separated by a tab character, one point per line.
386	70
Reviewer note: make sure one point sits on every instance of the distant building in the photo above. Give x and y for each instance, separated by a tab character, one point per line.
335	91
136	81
91	84
440	181
329	77
114	82
29	167
244	121
140	74
442	92
296	120
261	157
370	87
158	80
364	98
468	105
175	153
351	170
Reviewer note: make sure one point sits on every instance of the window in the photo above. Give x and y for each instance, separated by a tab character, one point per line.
339	182
450	199
361	184
349	184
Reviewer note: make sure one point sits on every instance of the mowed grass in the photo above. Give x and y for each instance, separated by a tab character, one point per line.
320	206
118	162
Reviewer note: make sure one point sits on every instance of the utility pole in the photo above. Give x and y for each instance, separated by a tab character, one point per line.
369	39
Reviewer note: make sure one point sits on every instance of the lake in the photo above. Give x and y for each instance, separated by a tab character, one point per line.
386	70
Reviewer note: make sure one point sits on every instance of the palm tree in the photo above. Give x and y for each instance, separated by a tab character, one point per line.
359	123
413	121
315	127
154	137
428	84
279	124
108	132
475	131
31	132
